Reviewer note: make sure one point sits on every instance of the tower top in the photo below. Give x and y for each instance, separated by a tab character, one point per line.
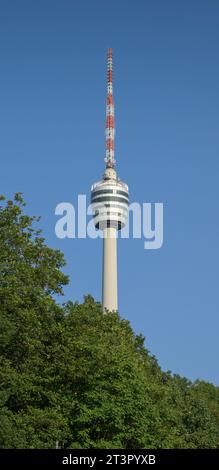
110	124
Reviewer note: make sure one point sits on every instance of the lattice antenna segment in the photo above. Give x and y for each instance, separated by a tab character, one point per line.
110	123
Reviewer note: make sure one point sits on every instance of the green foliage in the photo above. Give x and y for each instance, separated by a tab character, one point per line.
73	375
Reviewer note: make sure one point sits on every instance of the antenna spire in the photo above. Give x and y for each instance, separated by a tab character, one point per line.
110	125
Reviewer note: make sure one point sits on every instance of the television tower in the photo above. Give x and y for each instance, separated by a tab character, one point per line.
109	198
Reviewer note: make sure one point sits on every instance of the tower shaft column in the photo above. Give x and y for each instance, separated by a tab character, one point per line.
109	288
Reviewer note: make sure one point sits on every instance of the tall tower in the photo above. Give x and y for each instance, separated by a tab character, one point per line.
109	198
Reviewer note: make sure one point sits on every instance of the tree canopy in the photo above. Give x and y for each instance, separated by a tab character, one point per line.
70	374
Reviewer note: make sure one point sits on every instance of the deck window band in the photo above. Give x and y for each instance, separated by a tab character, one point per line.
110	198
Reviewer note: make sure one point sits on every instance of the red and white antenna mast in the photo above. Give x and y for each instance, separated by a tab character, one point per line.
110	127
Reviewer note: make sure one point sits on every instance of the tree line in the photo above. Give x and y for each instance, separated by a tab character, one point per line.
70	375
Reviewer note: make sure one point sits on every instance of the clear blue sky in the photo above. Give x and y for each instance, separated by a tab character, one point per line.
166	88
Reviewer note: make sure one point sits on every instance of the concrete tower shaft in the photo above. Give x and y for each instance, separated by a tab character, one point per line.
109	279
